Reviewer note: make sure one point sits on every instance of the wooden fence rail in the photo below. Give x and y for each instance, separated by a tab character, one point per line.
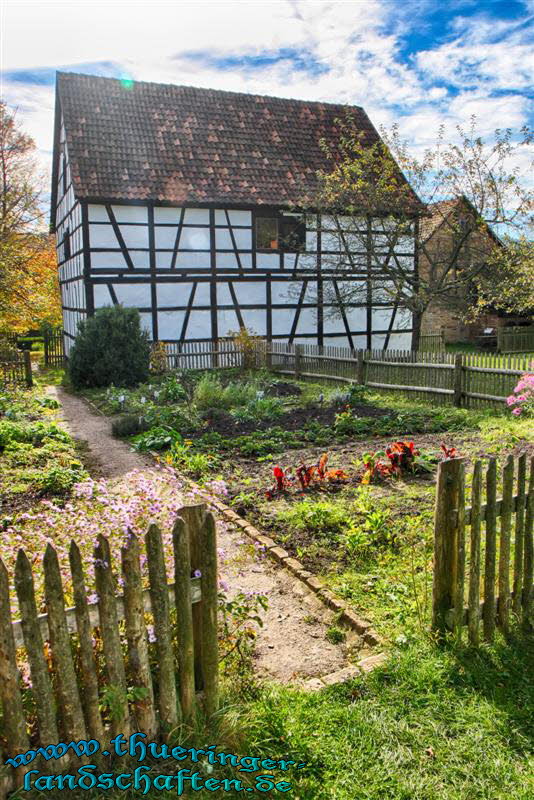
483	578
78	654
468	380
518	339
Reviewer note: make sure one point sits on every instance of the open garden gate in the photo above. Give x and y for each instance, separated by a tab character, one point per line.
54	347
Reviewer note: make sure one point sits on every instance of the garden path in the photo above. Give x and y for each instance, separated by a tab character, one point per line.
292	645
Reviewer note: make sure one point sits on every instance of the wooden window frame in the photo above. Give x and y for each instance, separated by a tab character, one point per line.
280	217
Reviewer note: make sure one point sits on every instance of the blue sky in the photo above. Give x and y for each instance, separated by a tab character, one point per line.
418	63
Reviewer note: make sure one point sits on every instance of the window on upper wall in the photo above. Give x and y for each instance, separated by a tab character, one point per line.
284	233
64	170
66	245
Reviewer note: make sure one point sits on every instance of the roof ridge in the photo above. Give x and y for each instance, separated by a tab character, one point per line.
61	73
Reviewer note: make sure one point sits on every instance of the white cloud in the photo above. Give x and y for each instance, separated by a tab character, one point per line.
481	68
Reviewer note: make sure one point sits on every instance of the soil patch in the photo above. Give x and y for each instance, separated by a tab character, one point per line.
292	420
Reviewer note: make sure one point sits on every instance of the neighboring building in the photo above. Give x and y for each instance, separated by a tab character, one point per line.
439	233
184	203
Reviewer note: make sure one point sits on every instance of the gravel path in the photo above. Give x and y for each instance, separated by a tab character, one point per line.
292	645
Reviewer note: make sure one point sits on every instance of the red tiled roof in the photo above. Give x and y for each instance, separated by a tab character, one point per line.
177	144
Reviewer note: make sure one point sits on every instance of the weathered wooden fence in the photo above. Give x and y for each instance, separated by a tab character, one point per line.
433	342
54	347
462	379
67	684
15	367
207	354
516	340
487	576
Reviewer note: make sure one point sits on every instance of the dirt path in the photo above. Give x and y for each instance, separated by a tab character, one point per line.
292	644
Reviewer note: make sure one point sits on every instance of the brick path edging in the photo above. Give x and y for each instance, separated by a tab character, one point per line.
346	615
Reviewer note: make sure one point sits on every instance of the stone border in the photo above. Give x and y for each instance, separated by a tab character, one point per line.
346	674
346	615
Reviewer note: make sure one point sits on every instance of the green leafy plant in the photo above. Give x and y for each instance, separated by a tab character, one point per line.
48	402
158	438
240	614
171	390
110	347
346	424
375	531
114	700
320	517
259	409
198	465
59	480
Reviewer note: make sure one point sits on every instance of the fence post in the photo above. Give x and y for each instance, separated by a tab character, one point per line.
13	720
193	516
298	356
360	367
28	377
457	385
209	587
268	355
184	618
46	336
449	522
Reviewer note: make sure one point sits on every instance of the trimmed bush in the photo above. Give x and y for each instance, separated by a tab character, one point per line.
110	348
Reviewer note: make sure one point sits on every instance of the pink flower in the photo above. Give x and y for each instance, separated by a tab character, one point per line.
516	411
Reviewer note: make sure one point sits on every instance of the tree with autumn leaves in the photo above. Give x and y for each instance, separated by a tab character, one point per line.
29	289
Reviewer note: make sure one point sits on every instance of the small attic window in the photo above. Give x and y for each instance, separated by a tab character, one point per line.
285	233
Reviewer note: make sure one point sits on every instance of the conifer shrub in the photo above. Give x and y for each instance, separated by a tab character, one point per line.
110	348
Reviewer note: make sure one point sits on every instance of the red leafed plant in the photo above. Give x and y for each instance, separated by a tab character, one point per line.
373	468
306	476
282	481
398	459
401	457
321	466
449	452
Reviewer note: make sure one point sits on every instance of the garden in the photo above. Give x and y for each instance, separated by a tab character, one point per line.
342	479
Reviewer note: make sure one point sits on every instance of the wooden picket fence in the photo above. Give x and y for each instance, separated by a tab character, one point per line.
485	578
469	380
15	367
434	342
66	682
518	339
207	354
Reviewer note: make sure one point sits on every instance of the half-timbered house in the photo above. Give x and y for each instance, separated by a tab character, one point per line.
187	204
